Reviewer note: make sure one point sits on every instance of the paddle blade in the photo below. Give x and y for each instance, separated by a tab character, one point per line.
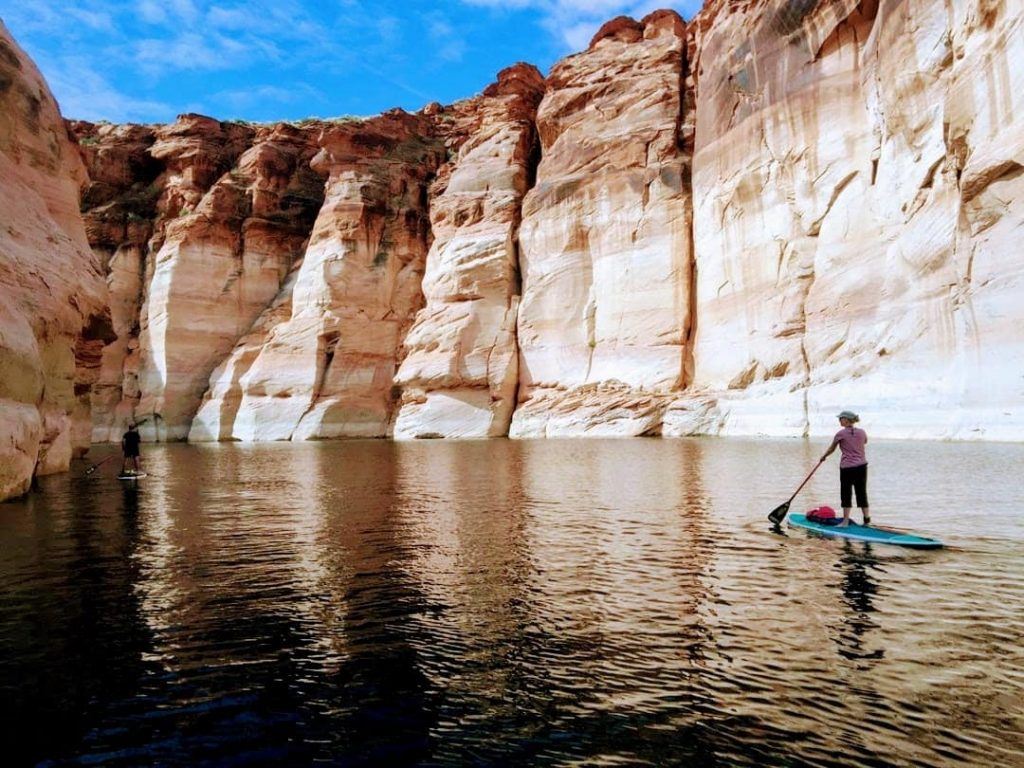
779	513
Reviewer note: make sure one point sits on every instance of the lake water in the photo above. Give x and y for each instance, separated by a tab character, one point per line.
512	603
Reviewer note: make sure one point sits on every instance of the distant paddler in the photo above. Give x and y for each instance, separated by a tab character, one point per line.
853	466
130	447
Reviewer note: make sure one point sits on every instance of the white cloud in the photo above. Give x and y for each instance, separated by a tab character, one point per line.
244	98
389	29
191	52
85	94
449	44
578	36
452	51
98	20
185	10
282	19
41	16
222	36
151	12
574	22
233	18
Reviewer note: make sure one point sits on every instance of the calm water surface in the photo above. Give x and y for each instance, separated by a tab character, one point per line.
512	603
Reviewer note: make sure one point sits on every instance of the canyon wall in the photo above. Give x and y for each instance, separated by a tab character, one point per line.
857	183
460	374
605	240
327	368
119	205
54	319
199	222
736	225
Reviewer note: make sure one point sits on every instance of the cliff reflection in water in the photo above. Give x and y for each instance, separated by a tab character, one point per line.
508	602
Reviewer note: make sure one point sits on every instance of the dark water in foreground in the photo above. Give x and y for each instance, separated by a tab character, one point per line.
513	603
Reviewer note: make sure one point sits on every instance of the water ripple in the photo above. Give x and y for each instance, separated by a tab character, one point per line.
511	603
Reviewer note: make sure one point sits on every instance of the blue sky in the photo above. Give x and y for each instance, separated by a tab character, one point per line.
149	60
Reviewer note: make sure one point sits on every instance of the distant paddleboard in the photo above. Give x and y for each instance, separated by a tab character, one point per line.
865	533
131	476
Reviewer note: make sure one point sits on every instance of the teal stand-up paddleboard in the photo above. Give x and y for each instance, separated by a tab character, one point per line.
865	533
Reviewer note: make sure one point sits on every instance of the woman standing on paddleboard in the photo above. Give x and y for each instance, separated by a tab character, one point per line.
853	466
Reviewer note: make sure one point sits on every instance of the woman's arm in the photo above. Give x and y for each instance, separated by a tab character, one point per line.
831	448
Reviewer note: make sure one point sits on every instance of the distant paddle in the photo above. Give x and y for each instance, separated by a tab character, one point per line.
778	514
97	465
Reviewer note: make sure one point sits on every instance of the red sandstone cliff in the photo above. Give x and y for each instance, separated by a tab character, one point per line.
728	226
199	223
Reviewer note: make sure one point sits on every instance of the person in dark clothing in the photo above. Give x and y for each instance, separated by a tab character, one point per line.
130	447
853	467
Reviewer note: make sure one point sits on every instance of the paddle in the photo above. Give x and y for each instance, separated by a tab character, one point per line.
96	466
778	514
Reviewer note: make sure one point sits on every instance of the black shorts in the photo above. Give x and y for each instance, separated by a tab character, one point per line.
131	453
854	479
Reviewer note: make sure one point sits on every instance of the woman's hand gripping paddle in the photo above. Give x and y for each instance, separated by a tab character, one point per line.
778	514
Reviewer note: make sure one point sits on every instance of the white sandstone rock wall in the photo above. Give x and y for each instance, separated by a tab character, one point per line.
219	267
605	239
215	419
856	181
328	370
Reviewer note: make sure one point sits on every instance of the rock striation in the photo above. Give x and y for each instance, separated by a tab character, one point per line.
199	222
857	178
53	315
223	261
120	212
735	225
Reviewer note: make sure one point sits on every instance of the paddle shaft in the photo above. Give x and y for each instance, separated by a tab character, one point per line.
96	466
804	482
779	513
